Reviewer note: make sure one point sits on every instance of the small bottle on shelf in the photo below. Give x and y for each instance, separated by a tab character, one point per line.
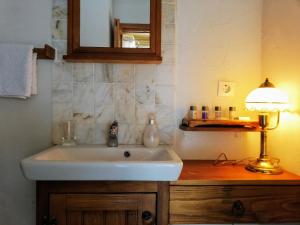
232	113
193	112
218	112
204	114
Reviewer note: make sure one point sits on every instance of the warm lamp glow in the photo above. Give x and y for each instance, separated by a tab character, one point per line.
266	99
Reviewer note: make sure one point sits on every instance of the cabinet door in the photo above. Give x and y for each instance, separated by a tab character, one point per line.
103	209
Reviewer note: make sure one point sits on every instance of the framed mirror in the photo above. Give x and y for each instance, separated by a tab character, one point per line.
117	31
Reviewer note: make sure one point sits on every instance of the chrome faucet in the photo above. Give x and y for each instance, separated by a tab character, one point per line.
113	135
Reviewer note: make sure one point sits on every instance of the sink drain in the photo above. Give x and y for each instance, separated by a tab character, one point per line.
126	154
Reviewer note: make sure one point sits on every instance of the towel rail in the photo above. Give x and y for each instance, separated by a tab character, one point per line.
45	53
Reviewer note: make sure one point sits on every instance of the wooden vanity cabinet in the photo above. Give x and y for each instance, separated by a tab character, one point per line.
204	194
102	203
208	194
205	204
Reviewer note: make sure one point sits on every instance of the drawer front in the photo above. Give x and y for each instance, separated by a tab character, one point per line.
234	204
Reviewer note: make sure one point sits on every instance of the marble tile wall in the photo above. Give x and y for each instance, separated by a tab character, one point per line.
93	95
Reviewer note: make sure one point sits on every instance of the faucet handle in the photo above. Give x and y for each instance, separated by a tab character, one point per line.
115	123
114	128
113	135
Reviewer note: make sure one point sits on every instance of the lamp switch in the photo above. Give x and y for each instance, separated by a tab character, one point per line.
226	88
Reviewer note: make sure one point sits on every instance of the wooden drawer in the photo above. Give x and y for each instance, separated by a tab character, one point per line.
234	204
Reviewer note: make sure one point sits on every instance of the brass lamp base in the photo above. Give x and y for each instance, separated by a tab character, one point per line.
265	166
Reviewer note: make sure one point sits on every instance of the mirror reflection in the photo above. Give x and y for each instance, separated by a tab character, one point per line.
115	23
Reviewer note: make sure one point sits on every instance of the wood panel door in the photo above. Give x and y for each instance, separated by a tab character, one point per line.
103	209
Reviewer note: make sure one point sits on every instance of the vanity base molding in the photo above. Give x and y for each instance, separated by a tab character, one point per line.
102	203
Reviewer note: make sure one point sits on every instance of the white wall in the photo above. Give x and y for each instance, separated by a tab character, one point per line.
24	125
95	23
132	11
280	60
216	40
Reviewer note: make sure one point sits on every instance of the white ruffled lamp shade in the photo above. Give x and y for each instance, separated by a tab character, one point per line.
267	98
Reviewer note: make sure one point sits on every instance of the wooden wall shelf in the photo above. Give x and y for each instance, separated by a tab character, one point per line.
220	125
220	129
45	53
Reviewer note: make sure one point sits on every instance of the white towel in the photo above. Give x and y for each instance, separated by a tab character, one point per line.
17	66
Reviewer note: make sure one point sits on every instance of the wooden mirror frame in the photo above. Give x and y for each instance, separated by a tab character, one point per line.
77	53
121	28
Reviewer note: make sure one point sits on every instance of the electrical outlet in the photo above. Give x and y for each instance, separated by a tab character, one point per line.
226	88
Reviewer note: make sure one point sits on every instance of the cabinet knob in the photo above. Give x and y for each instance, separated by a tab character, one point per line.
45	220
238	208
49	221
53	221
146	215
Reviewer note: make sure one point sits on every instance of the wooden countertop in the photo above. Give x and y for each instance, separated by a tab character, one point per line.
199	172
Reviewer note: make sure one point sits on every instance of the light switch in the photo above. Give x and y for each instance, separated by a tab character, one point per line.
226	88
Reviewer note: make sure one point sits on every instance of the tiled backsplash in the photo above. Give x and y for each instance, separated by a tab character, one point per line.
93	95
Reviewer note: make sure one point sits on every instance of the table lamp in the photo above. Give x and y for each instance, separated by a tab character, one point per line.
266	99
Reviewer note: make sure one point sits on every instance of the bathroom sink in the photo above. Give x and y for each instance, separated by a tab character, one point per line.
98	162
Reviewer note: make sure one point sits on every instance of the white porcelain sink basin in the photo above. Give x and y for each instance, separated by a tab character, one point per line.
98	162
